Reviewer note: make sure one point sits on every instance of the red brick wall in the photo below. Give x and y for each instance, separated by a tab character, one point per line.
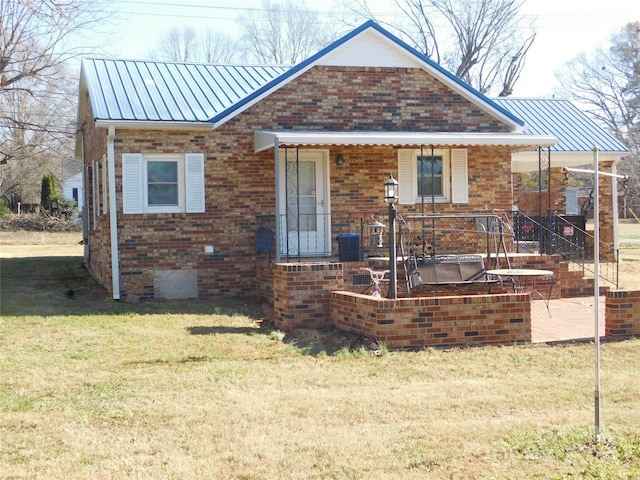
323	98
450	321
622	314
308	295
95	148
302	294
366	98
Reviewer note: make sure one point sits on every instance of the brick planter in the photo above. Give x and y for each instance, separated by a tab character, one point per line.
622	314
450	321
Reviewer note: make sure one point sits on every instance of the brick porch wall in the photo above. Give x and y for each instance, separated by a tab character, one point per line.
622	314
450	321
309	296
302	294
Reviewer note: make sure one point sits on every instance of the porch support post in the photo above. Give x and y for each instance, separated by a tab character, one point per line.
276	148
549	211
393	263
540	232
596	289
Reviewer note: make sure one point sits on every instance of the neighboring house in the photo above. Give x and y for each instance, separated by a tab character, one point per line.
187	162
73	189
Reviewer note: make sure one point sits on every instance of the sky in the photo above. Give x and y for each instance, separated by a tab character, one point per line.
565	28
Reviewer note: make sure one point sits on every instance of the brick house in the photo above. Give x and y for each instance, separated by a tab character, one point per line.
190	168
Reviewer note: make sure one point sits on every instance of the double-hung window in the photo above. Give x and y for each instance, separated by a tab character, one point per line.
164	179
163	183
439	176
432	175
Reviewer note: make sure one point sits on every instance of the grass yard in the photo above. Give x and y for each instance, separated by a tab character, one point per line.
92	388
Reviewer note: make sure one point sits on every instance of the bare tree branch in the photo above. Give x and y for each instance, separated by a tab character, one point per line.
283	33
37	96
218	47
608	83
484	42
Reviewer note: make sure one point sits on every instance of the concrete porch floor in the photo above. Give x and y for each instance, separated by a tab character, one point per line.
571	319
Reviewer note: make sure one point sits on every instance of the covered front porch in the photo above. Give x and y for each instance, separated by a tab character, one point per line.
330	184
332	224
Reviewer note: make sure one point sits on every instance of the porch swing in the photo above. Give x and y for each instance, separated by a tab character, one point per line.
423	267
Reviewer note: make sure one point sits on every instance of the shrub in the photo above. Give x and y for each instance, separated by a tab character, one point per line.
3	208
61	207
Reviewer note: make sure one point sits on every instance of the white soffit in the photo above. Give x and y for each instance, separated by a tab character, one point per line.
264	140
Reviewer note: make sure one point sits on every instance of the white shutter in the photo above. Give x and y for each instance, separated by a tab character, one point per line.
459	176
132	183
407	177
96	197
105	196
194	175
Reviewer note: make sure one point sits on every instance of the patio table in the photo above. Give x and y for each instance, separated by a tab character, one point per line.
524	280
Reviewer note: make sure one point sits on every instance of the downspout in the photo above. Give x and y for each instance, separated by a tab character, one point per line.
85	201
113	217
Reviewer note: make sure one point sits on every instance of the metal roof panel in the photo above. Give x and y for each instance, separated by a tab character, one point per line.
575	130
166	91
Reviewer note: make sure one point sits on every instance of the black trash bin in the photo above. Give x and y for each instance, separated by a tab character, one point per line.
348	247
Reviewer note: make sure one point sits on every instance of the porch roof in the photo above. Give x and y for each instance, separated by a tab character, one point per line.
266	139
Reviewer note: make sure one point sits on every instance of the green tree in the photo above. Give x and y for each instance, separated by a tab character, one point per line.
48	192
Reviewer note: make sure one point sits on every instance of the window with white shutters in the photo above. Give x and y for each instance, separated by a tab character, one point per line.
163	183
440	176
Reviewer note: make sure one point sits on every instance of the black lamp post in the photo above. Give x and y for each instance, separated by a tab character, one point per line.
391	197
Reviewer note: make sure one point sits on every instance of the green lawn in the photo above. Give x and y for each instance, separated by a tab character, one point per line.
92	388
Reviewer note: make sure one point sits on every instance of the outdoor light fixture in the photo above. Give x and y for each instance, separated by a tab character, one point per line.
375	233
391	197
339	159
391	190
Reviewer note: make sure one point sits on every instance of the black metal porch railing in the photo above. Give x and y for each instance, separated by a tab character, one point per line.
305	236
315	235
565	235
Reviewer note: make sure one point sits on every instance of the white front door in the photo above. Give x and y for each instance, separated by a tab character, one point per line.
304	207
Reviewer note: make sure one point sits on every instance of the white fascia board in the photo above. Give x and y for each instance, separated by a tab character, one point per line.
264	140
154	125
528	161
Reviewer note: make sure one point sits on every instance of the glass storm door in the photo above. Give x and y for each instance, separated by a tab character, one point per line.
304	210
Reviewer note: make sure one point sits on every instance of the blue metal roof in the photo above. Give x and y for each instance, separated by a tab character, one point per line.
162	91
575	131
